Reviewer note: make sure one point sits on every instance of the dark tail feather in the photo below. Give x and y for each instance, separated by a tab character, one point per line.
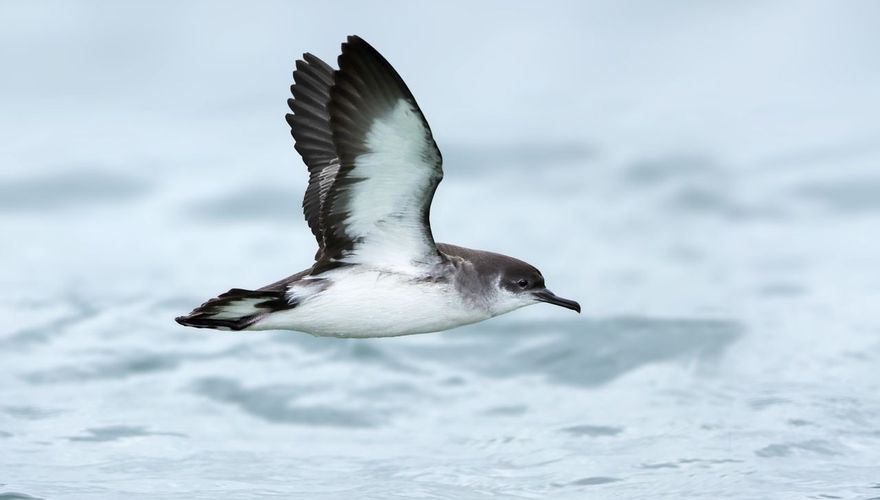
236	309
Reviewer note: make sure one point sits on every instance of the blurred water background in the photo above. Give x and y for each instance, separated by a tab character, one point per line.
702	177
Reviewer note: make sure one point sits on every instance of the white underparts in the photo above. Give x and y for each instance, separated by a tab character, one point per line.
365	302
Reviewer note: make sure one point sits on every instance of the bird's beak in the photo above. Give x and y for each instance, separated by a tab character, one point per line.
548	297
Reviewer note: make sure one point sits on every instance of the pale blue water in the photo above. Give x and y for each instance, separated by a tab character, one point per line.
704	179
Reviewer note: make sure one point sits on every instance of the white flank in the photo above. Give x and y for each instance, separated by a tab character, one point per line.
363	302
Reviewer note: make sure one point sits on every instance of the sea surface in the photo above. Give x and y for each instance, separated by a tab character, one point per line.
704	178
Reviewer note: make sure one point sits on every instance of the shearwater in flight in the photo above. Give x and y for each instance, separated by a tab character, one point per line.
373	169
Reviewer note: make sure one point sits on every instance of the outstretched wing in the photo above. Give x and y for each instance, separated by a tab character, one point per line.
310	127
377	209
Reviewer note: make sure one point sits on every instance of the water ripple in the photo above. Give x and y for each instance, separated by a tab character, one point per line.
583	352
73	188
117	432
275	404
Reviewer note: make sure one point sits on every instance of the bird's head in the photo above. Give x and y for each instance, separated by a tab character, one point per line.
521	284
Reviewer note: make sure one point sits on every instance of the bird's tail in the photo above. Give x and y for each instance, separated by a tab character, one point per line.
236	309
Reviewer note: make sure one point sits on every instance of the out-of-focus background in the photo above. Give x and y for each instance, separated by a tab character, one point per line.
702	177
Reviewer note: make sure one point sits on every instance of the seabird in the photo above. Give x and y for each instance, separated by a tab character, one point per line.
373	169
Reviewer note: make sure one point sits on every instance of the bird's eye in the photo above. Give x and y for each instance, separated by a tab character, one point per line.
522	283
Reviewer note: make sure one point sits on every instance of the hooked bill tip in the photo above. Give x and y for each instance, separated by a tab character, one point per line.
551	298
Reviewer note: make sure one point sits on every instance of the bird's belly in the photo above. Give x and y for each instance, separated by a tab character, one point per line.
373	304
